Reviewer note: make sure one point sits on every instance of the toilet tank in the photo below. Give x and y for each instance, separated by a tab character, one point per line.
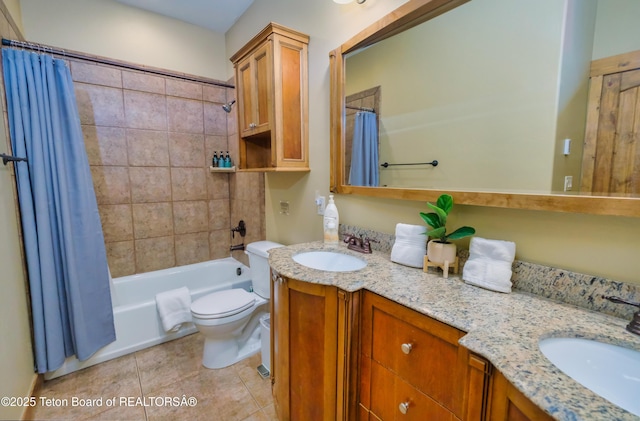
259	264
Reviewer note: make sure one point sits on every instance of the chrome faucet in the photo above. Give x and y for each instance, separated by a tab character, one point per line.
634	324
358	244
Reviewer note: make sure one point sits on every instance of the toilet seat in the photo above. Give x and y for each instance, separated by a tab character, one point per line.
222	304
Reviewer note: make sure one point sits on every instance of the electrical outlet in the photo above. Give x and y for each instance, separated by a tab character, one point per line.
284	207
320	204
568	183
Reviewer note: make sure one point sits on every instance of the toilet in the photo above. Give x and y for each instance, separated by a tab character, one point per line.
229	319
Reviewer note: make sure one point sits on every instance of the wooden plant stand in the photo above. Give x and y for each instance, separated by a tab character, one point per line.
444	266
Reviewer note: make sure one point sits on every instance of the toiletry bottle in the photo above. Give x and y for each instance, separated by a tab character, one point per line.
331	222
227	160
214	161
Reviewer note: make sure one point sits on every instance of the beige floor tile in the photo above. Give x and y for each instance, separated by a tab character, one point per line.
218	392
170	370
94	384
260	389
160	366
119	413
270	412
257	416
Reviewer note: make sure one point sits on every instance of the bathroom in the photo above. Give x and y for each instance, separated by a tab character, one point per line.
600	245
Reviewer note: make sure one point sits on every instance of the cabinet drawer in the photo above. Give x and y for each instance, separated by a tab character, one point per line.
425	360
389	392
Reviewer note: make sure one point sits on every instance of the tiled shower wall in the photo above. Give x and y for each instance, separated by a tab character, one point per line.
150	140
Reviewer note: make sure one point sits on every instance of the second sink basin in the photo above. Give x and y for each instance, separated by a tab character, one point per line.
611	371
329	261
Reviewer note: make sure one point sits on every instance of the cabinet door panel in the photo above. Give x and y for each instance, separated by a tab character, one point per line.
305	350
244	91
306	354
279	345
263	100
509	404
292	102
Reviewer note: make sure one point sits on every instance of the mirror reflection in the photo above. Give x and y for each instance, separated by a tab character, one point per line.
495	93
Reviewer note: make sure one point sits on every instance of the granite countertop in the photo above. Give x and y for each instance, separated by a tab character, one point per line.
504	328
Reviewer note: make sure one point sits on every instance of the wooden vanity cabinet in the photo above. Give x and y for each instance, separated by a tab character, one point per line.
411	367
313	330
271	78
509	404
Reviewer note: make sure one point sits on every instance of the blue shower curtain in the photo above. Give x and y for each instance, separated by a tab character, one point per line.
364	154
63	240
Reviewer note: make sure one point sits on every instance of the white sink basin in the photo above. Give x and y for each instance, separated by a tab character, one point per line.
329	261
611	371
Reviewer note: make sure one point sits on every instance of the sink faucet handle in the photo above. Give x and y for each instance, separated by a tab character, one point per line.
619	300
634	324
366	244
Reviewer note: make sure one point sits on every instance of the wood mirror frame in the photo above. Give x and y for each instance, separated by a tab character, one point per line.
413	13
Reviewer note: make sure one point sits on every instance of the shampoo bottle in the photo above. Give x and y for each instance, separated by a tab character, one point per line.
331	222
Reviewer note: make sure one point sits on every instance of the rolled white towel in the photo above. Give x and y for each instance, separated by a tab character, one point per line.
410	245
489	264
174	308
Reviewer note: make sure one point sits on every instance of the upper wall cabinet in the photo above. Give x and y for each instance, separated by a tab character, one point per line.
272	97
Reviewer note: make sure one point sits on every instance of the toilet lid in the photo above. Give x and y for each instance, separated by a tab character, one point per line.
222	303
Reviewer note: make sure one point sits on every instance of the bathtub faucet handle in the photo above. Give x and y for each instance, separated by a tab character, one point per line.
241	229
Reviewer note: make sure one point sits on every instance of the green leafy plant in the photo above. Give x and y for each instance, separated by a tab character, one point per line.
437	220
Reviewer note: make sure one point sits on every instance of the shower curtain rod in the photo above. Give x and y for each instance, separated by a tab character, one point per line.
353	107
112	62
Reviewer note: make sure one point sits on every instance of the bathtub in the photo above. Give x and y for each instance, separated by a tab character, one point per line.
136	319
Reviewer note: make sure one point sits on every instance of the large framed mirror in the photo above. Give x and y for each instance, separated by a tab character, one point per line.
490	101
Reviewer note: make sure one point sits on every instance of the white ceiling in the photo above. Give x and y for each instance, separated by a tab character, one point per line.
216	15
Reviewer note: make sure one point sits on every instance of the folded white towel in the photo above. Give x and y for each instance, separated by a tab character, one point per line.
493	249
410	245
489	264
407	229
174	308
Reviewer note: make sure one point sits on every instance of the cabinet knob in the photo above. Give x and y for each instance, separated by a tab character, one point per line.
252	125
406	348
403	407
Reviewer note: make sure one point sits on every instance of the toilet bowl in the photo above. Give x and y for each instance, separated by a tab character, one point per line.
230	319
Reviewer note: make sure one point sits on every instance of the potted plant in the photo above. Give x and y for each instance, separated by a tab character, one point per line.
439	249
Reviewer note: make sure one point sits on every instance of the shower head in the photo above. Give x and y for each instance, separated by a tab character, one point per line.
227	106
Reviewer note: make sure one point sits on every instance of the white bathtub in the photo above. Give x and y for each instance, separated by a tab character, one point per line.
135	316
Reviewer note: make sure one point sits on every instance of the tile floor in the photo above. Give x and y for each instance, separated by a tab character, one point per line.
141	380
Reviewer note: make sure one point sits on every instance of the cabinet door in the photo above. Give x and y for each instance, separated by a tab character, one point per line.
290	96
254	86
509	404
305	349
478	388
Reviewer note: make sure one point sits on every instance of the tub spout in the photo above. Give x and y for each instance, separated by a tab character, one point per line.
237	247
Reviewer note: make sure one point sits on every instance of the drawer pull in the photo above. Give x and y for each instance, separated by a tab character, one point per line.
406	348
404	407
